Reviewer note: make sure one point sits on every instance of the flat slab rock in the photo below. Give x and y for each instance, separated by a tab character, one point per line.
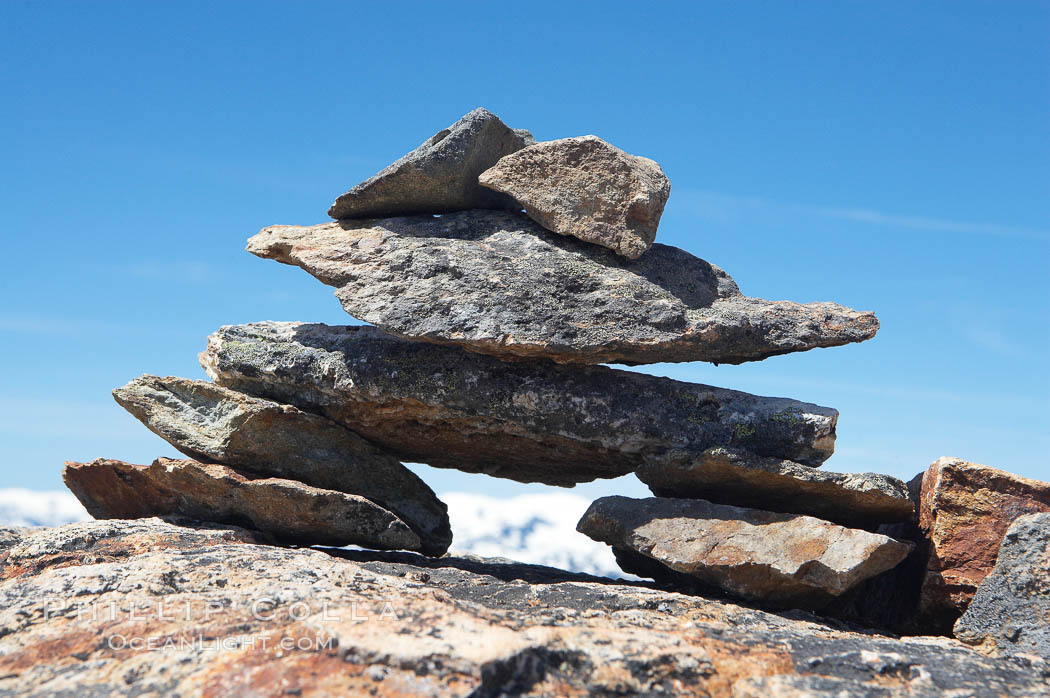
1010	613
964	512
731	476
499	284
287	511
400	624
213	424
781	559
441	174
586	188
531	421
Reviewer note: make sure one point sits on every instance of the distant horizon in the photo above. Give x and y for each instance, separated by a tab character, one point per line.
892	158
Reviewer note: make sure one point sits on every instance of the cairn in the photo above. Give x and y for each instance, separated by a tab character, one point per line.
498	273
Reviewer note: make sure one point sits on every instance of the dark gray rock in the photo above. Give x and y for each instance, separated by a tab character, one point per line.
285	510
532	421
586	188
441	174
217	425
499	284
780	559
1010	613
732	476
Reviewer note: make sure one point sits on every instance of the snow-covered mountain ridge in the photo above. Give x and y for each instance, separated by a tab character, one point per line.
533	528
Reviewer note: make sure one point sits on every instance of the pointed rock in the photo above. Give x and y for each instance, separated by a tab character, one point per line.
531	421
497	283
441	174
217	425
780	559
288	511
586	188
964	511
1010	613
732	476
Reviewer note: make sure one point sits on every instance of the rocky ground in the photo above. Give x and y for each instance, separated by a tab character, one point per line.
166	607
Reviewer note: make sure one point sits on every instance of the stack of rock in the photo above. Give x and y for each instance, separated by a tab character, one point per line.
498	273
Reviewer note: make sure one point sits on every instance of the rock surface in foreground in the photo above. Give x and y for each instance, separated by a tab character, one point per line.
214	424
499	284
285	510
442	627
586	188
441	174
964	512
532	421
1010	613
725	476
781	559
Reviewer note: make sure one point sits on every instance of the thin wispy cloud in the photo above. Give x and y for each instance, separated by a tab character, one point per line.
727	207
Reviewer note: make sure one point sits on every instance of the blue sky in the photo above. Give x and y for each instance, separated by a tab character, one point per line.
892	156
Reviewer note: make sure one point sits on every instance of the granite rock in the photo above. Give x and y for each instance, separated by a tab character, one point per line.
499	284
778	559
1010	613
586	188
213	424
731	476
286	511
397	624
531	421
964	511
441	174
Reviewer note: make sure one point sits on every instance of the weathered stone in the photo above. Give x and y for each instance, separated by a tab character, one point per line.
532	421
586	188
1010	613
731	476
398	624
499	284
287	511
213	424
780	559
441	174
964	511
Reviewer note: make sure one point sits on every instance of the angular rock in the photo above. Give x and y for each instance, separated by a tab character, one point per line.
288	511
1010	613
213	424
731	476
396	624
441	174
964	512
499	284
531	421
779	559
586	188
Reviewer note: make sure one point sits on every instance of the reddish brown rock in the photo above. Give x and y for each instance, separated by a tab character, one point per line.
964	512
286	510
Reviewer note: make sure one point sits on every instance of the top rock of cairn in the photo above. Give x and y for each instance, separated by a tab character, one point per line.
440	175
586	188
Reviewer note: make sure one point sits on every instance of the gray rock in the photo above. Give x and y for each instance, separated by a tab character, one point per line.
586	188
778	559
217	425
532	421
499	284
1010	613
732	476
441	174
400	624
286	510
